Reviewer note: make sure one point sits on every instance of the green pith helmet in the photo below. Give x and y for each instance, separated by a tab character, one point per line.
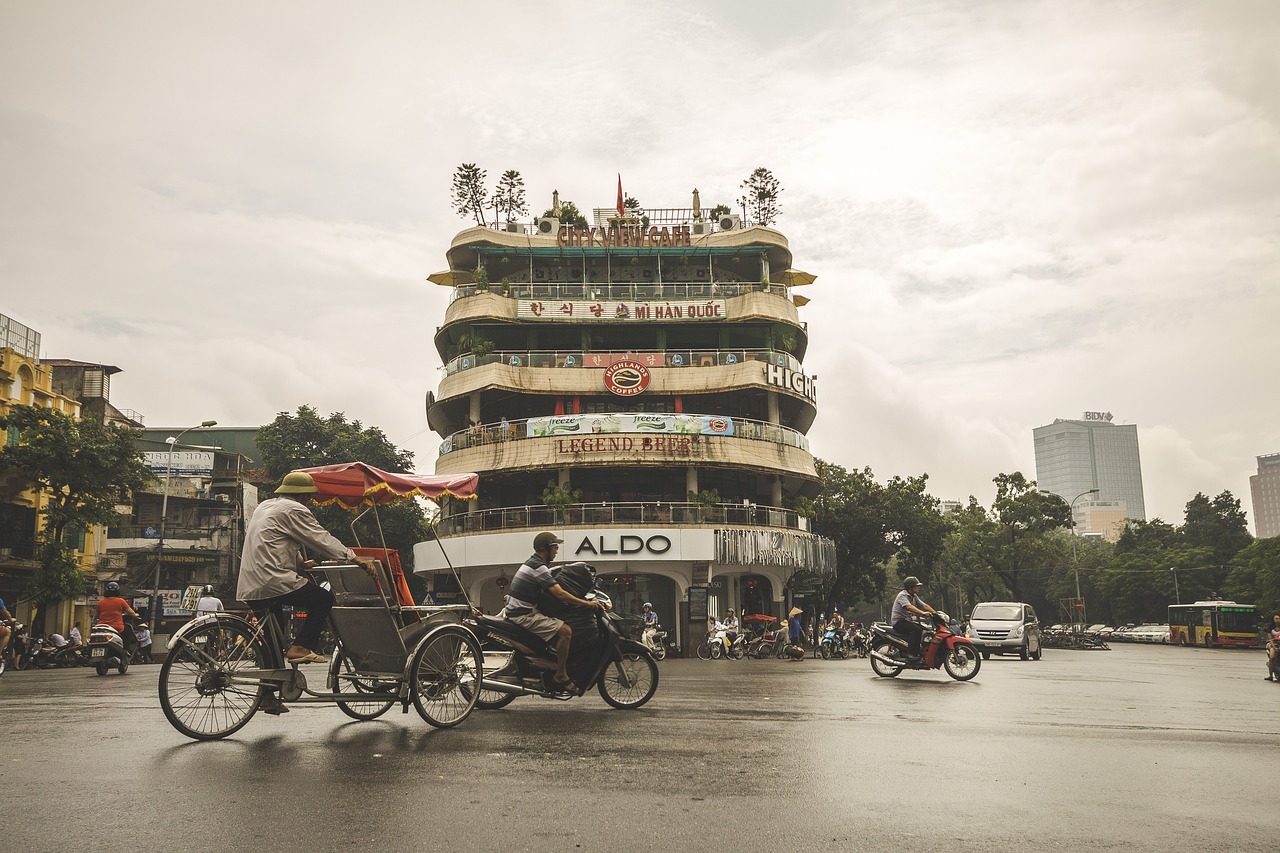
910	582
545	540
297	483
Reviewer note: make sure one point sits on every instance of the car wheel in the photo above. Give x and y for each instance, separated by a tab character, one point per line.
1039	652
1025	651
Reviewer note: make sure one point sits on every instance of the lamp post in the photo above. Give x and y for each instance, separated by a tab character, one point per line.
1176	592
172	441
1075	561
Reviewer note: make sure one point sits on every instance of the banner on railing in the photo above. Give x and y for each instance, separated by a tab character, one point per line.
627	422
776	548
558	309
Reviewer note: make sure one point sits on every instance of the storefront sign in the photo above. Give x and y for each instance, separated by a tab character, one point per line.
629	422
625	236
626	378
186	463
171	602
791	380
697	604
625	444
610	544
533	309
1098	416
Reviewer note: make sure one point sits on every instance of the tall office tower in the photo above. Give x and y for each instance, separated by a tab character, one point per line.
1265	486
1074	457
638	387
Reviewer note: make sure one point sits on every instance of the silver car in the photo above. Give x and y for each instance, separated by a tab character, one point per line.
1005	628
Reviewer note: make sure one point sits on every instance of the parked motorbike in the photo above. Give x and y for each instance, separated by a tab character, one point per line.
45	655
859	642
106	650
624	671
718	644
655	640
941	648
832	645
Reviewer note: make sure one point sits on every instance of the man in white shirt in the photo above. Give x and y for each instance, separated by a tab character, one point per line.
208	603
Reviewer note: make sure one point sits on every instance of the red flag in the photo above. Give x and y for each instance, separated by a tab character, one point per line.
621	205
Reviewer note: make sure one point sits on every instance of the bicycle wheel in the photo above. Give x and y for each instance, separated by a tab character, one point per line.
446	669
343	678
704	651
630	682
198	693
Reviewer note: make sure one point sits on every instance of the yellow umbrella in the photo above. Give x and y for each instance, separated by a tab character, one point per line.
452	278
697	205
795	278
800	301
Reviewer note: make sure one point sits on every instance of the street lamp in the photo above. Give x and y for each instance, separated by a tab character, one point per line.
172	441
1177	592
1075	562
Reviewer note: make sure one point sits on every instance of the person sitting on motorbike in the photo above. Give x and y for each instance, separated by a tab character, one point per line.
836	622
535	576
6	618
111	611
77	639
1273	641
908	602
730	626
208	603
649	623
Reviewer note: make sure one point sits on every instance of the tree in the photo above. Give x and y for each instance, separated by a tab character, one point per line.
569	215
1025	515
85	470
759	200
631	206
306	440
1255	576
469	191
508	197
1218	524
716	212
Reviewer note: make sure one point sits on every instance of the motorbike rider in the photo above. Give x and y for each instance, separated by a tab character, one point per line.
649	623
730	626
208	603
905	604
111	611
6	618
836	622
1273	640
534	576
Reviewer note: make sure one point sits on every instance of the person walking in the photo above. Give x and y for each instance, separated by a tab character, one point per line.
144	643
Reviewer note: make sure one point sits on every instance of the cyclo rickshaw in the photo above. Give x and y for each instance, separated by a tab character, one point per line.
220	666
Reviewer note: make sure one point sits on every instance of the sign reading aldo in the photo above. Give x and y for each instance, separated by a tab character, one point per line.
625	544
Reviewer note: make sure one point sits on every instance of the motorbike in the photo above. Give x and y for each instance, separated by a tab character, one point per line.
622	670
859	642
833	645
106	650
45	655
656	641
718	644
940	648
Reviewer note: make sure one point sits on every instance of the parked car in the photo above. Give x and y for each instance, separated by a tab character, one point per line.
1005	628
1150	634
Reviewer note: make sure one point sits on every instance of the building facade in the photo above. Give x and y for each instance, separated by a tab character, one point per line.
1074	457
1264	487
638	388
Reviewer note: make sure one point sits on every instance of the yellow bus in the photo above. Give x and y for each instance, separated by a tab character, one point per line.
1214	623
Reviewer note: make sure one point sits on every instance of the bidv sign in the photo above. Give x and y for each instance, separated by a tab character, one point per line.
626	544
1098	416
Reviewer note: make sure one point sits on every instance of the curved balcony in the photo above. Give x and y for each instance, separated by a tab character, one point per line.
621	515
623	291
622	423
600	360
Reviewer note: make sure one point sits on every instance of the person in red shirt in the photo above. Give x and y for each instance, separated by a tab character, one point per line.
111	611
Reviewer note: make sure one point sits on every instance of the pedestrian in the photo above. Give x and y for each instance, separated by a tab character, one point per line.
144	643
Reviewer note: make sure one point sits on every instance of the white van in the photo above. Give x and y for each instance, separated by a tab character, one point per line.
1005	628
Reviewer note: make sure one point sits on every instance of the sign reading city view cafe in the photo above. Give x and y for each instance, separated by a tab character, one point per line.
791	380
625	236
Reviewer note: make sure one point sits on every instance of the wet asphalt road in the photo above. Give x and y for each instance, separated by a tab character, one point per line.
1139	748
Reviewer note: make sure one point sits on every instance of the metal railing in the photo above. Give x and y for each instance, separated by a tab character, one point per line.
622	514
622	291
649	358
743	428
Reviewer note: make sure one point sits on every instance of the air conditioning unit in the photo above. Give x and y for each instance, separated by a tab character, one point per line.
701	228
548	226
730	222
515	228
226	499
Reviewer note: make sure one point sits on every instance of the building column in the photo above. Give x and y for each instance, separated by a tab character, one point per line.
691	480
774	416
775	493
475	407
563	478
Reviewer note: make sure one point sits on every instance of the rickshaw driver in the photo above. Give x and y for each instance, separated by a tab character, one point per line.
273	559
534	576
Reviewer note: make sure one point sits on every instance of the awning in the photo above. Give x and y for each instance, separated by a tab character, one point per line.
793	278
452	278
800	301
353	484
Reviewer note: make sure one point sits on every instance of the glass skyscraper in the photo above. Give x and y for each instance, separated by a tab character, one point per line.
1076	456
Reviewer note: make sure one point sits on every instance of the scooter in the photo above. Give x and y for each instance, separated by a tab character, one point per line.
656	641
624	671
106	650
941	648
833	645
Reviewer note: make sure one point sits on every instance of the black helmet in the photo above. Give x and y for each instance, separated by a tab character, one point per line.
112	588
911	581
545	540
208	589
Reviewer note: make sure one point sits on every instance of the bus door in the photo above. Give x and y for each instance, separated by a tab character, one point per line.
1209	634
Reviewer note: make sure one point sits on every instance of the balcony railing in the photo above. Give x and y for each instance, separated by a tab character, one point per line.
621	514
624	291
582	425
649	358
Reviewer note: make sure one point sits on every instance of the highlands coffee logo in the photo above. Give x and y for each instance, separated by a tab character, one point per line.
626	378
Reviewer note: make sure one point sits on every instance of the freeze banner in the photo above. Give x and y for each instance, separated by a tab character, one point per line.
628	422
775	548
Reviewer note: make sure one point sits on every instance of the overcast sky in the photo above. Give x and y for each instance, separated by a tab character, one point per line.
1017	211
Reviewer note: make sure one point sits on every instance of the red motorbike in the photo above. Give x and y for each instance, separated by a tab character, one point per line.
941	648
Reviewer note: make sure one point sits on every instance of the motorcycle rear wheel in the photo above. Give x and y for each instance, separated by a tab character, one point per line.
196	693
736	652
962	662
881	668
641	672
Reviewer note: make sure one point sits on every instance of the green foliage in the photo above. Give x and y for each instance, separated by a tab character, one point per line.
469	191
508	197
560	498
306	440
482	278
1218	524
760	196
1254	576
58	578
1025	516
569	215
718	211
